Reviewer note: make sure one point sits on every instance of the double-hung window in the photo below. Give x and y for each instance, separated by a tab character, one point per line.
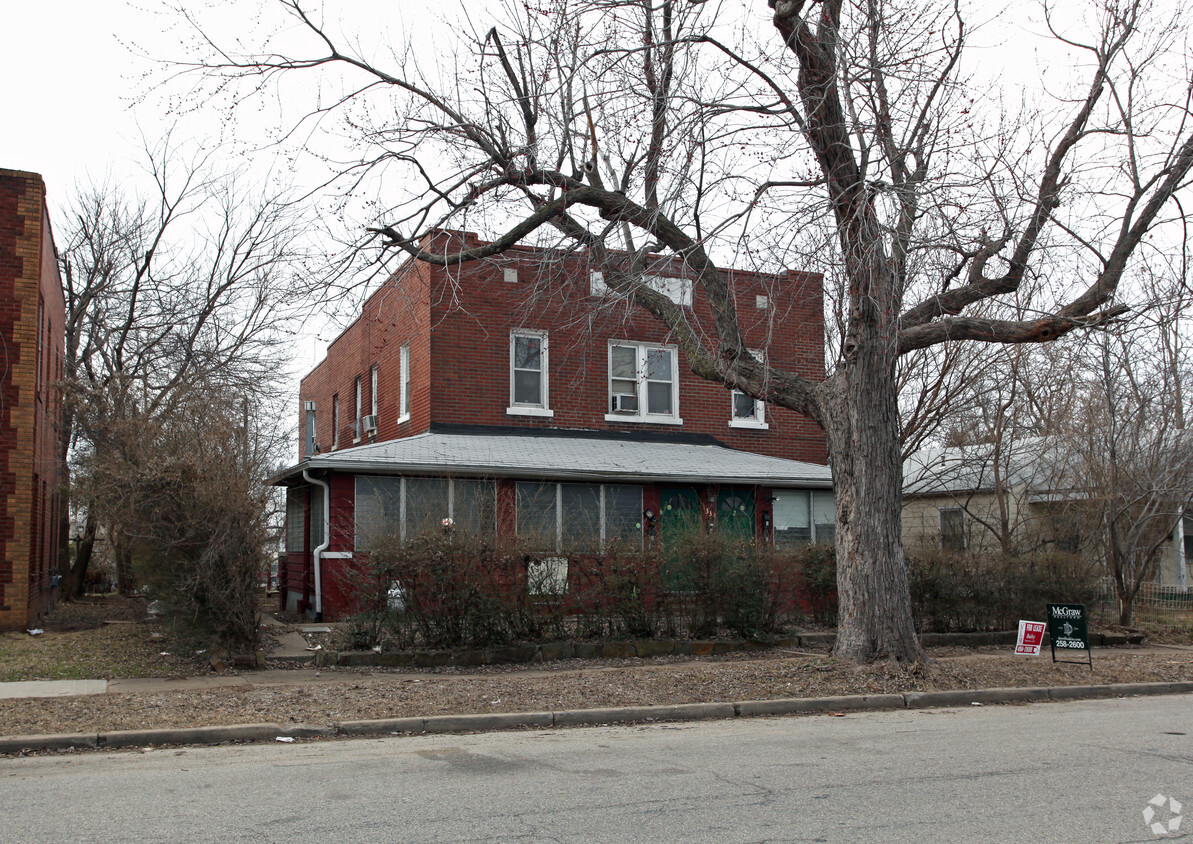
746	411
528	374
643	383
335	421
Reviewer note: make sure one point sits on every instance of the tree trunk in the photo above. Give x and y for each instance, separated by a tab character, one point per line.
74	581
862	424
1126	610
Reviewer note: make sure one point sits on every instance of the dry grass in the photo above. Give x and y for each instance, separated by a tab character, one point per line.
99	638
349	696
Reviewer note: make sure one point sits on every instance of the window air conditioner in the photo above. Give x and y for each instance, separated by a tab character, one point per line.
625	403
308	405
369	425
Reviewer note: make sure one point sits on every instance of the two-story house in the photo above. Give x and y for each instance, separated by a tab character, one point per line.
32	326
518	396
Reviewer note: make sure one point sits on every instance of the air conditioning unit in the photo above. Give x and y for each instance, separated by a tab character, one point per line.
368	424
625	403
309	406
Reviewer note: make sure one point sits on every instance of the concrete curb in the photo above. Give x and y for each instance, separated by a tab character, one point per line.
575	717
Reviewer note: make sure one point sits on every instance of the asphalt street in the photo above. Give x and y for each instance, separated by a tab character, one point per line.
1081	771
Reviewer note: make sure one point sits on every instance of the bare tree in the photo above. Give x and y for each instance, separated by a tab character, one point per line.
846	141
185	287
1134	456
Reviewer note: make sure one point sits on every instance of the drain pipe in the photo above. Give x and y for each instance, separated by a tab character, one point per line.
318	552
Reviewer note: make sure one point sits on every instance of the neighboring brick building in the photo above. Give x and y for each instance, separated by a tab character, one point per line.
32	320
515	394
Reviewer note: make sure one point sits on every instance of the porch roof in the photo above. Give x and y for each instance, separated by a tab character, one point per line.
564	458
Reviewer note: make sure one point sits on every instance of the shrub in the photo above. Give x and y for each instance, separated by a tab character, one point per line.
968	592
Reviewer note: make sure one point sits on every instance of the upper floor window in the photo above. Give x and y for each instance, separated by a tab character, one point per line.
746	411
404	374
678	290
643	383
528	374
335	421
359	390
373	389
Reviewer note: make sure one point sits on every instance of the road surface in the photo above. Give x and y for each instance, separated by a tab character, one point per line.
1081	771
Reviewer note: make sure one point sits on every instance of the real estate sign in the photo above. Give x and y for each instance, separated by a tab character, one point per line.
1031	637
1068	629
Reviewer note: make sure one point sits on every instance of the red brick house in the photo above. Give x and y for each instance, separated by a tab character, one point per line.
516	395
32	324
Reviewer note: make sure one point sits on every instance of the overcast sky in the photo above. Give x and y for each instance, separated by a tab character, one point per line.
73	71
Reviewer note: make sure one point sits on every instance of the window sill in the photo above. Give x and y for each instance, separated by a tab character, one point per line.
530	411
749	423
405	418
643	420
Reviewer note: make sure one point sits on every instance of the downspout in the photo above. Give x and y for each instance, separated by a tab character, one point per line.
318	552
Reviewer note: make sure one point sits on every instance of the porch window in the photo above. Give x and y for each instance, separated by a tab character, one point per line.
426	505
409	507
579	517
804	516
295	524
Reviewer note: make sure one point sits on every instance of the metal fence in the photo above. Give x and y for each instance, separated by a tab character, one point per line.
1154	596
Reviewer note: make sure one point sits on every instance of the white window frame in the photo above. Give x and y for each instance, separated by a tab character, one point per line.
404	390
543	406
642	415
335	421
358	388
940	511
758	422
373	388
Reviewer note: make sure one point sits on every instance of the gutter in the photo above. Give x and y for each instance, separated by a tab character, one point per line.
318	552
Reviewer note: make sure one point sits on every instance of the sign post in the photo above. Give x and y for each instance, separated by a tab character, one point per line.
1068	629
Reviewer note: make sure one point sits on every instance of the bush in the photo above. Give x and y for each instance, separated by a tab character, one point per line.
461	590
970	592
817	566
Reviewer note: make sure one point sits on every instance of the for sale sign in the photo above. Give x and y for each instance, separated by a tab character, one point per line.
1068	630
1031	637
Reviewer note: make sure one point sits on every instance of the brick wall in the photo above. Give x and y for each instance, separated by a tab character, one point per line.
31	332
458	323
